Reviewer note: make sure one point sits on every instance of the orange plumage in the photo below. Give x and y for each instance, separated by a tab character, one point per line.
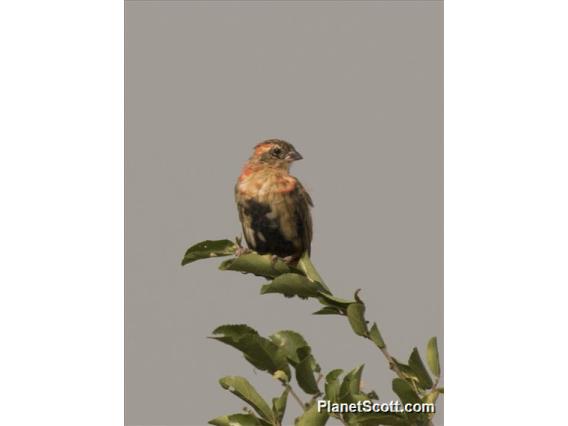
274	208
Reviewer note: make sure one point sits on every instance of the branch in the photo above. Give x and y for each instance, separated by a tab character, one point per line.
392	364
295	396
311	272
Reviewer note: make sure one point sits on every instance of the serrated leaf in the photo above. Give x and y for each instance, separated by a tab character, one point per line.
292	285
238	419
234	331
356	316
264	355
328	310
433	357
305	375
408	396
308	269
332	385
256	264
375	336
415	362
405	391
208	249
259	351
350	389
312	417
279	405
289	342
332	300
406	371
241	387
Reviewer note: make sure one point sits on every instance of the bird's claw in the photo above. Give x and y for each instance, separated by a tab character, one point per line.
288	260
242	250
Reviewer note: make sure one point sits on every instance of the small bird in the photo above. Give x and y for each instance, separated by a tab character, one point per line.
274	207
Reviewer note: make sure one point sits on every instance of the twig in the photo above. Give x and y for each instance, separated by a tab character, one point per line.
296	397
392	363
312	273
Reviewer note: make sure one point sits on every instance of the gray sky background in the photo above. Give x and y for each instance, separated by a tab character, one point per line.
358	89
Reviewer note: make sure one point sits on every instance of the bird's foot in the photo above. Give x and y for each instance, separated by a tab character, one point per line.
288	260
240	249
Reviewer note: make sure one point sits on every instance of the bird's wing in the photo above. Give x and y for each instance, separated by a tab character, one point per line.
246	220
302	203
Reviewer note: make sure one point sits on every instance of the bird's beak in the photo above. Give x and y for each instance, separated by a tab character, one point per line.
293	156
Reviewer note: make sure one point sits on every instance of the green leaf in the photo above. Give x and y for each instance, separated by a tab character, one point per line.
350	389
279	405
305	373
415	362
259	351
298	353
432	356
234	331
405	391
332	385
332	300
431	397
312	417
406	371
208	249
240	387
252	263
289	342
408	396
307	267
356	315
328	310
375	336
292	285
376	419
264	355
238	420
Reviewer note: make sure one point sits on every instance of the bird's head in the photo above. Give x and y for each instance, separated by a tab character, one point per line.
275	153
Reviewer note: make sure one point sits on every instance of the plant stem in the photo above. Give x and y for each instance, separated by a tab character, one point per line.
392	364
296	397
311	272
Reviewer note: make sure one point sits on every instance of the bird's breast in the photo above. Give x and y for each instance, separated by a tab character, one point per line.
265	187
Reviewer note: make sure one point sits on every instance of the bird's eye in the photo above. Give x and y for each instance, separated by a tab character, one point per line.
276	152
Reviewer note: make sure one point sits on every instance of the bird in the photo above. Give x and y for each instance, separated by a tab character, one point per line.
274	208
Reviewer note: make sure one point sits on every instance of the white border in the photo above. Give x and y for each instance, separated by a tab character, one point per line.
61	173
61	229
506	212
